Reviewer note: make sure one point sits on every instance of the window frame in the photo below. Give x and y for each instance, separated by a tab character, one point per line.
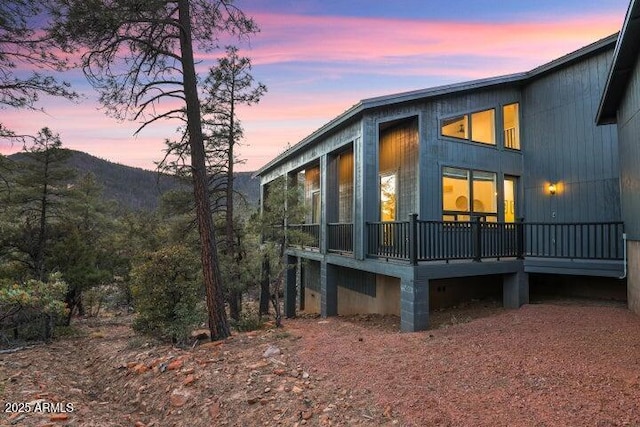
467	117
470	213
517	132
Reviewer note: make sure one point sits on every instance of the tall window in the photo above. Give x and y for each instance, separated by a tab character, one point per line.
467	193
511	126
510	188
476	127
388	197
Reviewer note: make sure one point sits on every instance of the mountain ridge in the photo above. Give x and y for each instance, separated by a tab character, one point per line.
136	188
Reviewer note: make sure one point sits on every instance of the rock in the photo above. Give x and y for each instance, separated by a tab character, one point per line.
297	390
190	379
306	415
175	365
305	375
179	397
271	351
59	417
252	400
279	372
139	424
261	364
214	410
140	368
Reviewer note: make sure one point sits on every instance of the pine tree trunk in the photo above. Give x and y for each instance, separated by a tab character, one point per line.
218	324
265	294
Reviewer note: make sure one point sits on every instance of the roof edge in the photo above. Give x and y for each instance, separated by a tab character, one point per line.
460	87
625	53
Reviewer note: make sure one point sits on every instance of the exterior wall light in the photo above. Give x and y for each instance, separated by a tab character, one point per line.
552	188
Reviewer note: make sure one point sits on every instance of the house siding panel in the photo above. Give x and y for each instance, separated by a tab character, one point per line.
629	132
562	144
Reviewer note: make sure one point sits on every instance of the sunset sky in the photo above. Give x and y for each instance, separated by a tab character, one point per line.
319	57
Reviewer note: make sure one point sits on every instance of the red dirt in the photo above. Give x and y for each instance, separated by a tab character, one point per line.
544	365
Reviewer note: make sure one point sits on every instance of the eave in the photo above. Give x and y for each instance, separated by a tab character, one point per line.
625	58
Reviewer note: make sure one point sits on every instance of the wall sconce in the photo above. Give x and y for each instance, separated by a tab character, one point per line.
552	188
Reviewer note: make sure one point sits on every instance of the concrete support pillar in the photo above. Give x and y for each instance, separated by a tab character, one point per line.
633	275
414	305
515	289
290	285
328	290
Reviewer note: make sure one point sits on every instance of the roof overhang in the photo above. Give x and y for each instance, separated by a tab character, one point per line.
625	58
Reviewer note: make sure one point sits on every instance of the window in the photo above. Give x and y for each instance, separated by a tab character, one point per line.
388	197
456	127
315	207
468	193
511	126
479	128
510	188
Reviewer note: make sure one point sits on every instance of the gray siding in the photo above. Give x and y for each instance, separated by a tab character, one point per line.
629	133
561	143
438	151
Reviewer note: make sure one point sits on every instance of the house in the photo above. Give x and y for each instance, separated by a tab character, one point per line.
620	104
484	182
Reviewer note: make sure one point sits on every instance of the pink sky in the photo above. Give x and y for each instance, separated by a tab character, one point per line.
317	66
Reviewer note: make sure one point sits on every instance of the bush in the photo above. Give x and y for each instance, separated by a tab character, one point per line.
166	290
249	321
28	310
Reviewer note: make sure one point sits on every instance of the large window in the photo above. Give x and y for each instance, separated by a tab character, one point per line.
476	127
511	126
388	197
467	193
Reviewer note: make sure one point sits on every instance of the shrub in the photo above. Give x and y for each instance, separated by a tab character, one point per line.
28	309
166	290
249	321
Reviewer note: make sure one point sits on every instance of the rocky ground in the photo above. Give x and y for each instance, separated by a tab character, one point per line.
545	364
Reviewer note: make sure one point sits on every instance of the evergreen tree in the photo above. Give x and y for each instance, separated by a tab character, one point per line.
139	55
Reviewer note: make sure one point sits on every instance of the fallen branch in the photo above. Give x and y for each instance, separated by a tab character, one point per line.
17	349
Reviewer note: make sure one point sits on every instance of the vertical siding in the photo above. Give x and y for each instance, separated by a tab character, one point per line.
561	143
629	130
438	151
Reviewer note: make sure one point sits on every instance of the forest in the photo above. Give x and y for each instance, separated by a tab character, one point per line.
74	239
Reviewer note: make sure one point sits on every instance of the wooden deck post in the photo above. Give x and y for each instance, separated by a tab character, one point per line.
476	232
413	239
520	238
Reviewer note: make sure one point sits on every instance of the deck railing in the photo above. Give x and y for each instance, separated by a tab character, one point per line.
305	235
587	240
340	237
417	240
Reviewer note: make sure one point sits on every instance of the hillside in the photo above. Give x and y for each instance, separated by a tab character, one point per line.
136	188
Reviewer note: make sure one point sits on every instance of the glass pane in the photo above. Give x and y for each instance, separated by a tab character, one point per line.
483	127
509	200
455	189
315	207
388	197
456	127
511	126
484	192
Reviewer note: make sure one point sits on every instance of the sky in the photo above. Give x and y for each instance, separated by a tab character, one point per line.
320	57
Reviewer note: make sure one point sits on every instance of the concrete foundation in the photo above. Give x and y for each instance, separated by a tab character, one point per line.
633	275
414	305
386	301
515	289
